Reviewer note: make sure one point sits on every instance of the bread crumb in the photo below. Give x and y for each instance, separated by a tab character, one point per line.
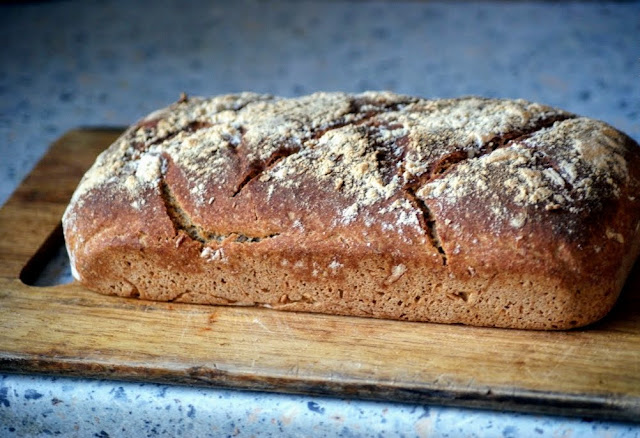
554	176
181	239
335	265
213	255
471	271
349	214
611	234
518	220
396	272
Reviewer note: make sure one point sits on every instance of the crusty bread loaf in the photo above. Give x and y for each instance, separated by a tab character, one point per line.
479	211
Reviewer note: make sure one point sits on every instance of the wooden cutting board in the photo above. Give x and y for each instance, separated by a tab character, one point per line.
68	330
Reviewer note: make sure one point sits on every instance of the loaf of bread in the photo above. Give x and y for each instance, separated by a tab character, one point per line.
487	212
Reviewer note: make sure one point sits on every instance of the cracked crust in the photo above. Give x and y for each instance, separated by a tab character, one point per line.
478	211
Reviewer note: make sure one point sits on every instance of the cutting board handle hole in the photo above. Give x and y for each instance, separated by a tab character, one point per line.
49	266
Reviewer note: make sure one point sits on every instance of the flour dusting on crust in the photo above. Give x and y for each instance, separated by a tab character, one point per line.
381	157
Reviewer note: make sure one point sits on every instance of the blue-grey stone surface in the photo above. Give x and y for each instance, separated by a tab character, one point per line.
65	64
49	406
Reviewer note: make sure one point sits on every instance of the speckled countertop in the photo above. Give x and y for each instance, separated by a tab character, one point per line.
66	64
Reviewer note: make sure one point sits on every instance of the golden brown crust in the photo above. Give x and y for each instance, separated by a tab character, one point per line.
478	211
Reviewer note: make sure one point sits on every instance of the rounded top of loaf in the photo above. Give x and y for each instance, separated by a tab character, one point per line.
448	175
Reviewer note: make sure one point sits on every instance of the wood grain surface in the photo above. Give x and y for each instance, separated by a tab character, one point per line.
68	330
